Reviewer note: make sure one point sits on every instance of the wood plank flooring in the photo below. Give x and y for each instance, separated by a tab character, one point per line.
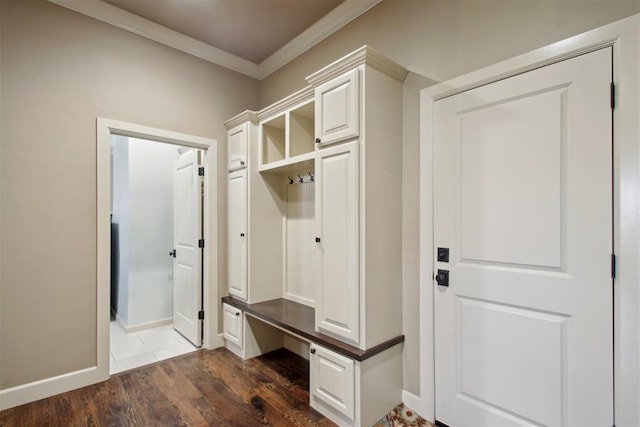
205	388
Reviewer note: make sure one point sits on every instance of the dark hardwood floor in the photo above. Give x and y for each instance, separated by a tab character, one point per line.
205	388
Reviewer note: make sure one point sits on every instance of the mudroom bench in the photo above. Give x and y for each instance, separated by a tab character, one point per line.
345	381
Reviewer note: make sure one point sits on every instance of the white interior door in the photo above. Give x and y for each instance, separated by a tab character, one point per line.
523	200
187	264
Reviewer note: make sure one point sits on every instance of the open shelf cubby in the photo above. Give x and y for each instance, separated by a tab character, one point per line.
273	140
301	130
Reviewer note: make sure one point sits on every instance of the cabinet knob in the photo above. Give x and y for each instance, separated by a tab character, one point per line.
237	313
313	350
241	162
317	240
241	234
318	140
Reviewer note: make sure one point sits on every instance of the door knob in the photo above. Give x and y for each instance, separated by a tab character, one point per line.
442	278
172	253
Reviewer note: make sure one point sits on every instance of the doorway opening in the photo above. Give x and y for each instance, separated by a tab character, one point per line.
160	230
149	199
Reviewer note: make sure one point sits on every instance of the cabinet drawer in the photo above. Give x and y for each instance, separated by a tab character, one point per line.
338	109
332	380
232	324
238	139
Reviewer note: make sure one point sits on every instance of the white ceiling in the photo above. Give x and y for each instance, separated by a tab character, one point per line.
253	37
250	29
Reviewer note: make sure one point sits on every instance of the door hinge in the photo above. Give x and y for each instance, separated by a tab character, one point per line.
201	171
613	266
201	315
613	95
201	243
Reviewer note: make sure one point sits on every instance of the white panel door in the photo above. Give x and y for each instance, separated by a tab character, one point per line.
237	233
187	231
337	109
332	380
237	139
338	299
522	198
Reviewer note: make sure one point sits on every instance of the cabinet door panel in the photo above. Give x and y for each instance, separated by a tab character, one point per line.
337	109
333	380
337	195
237	233
238	138
232	324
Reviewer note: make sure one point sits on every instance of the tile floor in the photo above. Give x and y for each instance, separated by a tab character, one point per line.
130	350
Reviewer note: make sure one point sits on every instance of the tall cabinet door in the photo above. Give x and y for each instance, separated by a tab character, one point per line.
337	201
337	109
237	233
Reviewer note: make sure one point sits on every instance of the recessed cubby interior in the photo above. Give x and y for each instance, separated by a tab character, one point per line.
301	130
273	140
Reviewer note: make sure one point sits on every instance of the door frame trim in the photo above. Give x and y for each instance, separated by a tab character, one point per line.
624	37
105	128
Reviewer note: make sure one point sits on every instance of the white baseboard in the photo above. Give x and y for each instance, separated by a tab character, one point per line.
147	325
37	390
142	326
216	342
416	404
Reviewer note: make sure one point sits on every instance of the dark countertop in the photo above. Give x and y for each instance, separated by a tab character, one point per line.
300	320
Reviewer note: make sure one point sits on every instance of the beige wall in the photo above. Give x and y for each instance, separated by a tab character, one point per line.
437	40
59	71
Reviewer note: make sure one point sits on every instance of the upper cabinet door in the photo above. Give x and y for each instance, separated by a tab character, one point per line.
337	109
238	139
337	225
237	233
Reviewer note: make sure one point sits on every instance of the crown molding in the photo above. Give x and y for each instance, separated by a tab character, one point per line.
122	19
344	13
287	103
245	116
327	25
364	55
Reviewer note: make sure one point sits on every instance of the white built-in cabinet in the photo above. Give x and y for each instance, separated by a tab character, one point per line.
358	165
238	143
332	380
232	324
337	108
320	186
337	228
254	218
237	233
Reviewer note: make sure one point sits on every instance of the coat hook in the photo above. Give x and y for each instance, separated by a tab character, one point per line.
301	179
311	177
290	180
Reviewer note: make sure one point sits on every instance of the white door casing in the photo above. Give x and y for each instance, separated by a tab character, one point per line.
523	200
237	233
187	264
337	219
